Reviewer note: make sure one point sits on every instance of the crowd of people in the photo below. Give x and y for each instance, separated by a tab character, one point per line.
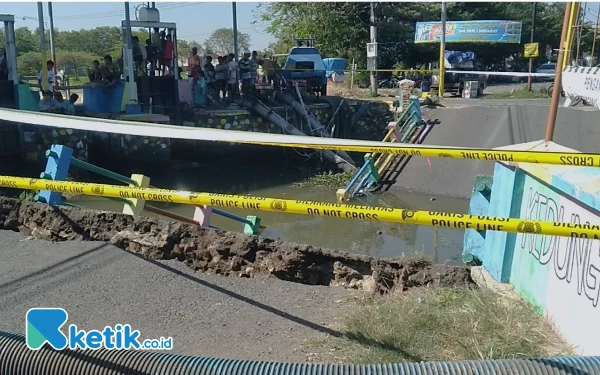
221	82
108	73
54	102
154	58
155	55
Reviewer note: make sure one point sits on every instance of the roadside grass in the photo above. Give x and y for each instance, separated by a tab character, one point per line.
522	93
356	92
328	180
438	324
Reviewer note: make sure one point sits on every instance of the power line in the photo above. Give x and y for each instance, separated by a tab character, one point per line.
242	28
116	13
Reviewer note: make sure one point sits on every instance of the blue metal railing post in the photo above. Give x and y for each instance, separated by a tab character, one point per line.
356	176
57	168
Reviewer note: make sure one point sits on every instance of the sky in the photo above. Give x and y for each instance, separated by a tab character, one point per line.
195	20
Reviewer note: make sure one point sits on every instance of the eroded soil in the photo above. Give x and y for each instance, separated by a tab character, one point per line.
226	253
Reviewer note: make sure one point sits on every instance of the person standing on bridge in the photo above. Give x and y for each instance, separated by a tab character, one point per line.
199	90
168	56
253	68
210	76
156	48
221	76
245	72
232	77
194	64
268	69
51	76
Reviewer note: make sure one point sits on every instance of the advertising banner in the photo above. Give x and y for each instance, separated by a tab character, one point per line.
580	82
470	32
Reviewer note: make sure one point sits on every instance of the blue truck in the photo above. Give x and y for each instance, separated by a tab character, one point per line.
305	63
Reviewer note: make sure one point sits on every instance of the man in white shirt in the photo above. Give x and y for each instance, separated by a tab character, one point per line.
232	74
51	77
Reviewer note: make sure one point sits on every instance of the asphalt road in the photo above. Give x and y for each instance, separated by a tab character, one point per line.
490	123
207	315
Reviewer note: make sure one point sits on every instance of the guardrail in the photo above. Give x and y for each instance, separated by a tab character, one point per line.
376	163
60	159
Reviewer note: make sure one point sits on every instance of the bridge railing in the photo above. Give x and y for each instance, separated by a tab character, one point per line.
376	164
60	159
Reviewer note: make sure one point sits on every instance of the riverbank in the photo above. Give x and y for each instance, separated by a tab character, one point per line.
226	253
224	294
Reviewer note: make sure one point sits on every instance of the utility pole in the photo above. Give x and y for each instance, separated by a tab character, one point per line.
580	23
373	34
562	47
52	45
533	11
128	56
236	52
442	62
43	46
574	11
595	62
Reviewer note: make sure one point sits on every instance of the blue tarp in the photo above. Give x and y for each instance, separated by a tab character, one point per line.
334	65
459	57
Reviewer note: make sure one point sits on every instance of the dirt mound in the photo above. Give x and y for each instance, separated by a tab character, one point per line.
226	253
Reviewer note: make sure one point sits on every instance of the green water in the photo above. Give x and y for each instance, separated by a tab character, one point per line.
378	239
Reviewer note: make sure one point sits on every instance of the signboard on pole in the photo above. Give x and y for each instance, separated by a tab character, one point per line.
495	31
371	49
531	50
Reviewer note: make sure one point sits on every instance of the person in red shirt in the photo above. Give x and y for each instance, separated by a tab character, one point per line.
194	64
168	56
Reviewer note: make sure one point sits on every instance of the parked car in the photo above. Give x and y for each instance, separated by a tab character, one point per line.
546	69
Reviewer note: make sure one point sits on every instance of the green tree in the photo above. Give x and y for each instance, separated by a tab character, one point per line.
341	29
74	63
221	40
29	64
26	41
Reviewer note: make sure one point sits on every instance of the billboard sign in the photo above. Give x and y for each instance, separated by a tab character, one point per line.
470	32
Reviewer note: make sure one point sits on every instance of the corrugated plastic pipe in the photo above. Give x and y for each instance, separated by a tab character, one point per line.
17	359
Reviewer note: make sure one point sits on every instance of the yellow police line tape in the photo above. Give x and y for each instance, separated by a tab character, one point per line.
437	219
145	129
518	156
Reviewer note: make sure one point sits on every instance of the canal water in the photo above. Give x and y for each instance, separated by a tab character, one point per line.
379	239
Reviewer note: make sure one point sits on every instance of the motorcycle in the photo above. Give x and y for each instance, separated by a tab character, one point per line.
551	89
575	101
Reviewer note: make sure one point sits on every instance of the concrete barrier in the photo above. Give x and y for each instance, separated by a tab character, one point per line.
560	276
